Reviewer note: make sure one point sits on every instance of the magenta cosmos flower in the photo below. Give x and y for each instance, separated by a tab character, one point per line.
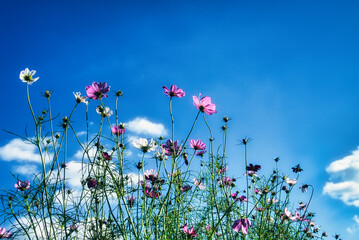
197	144
118	130
204	105
174	91
171	148
4	234
22	186
241	224
97	91
189	232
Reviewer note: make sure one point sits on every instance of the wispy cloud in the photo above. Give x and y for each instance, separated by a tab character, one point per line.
344	179
26	169
142	126
355	226
18	150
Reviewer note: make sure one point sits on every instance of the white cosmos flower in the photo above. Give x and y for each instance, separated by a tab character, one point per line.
27	76
291	182
79	98
144	145
199	184
104	112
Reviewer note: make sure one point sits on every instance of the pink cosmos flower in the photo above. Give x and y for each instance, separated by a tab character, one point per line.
222	169
201	153
174	91
73	228
22	186
241	224
227	181
97	91
152	194
204	105
197	144
4	234
118	130
189	232
106	156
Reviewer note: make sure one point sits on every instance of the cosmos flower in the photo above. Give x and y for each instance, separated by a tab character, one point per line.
151	175
197	144
291	182
221	169
22	186
241	224
227	181
104	112
4	234
204	105
199	184
79	98
152	194
73	228
171	148
297	169
27	76
252	167
186	188
144	145
106	156
92	183
304	188
201	153
97	91
174	91
189	232
130	201
118	130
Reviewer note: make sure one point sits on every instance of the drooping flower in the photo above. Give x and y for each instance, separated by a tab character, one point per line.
118	130
79	98
130	201
174	91
297	169
171	148
302	206
241	224
4	233
151	175
104	112
22	185
27	76
189	232
92	183
197	144
304	188
186	188
201	153
204	105
144	145
97	91
199	184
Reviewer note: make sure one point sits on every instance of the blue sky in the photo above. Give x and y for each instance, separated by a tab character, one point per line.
286	72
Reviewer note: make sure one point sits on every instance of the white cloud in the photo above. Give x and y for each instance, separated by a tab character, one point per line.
26	169
143	126
354	227
18	150
344	179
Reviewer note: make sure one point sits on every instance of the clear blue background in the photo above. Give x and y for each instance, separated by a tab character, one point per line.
286	72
